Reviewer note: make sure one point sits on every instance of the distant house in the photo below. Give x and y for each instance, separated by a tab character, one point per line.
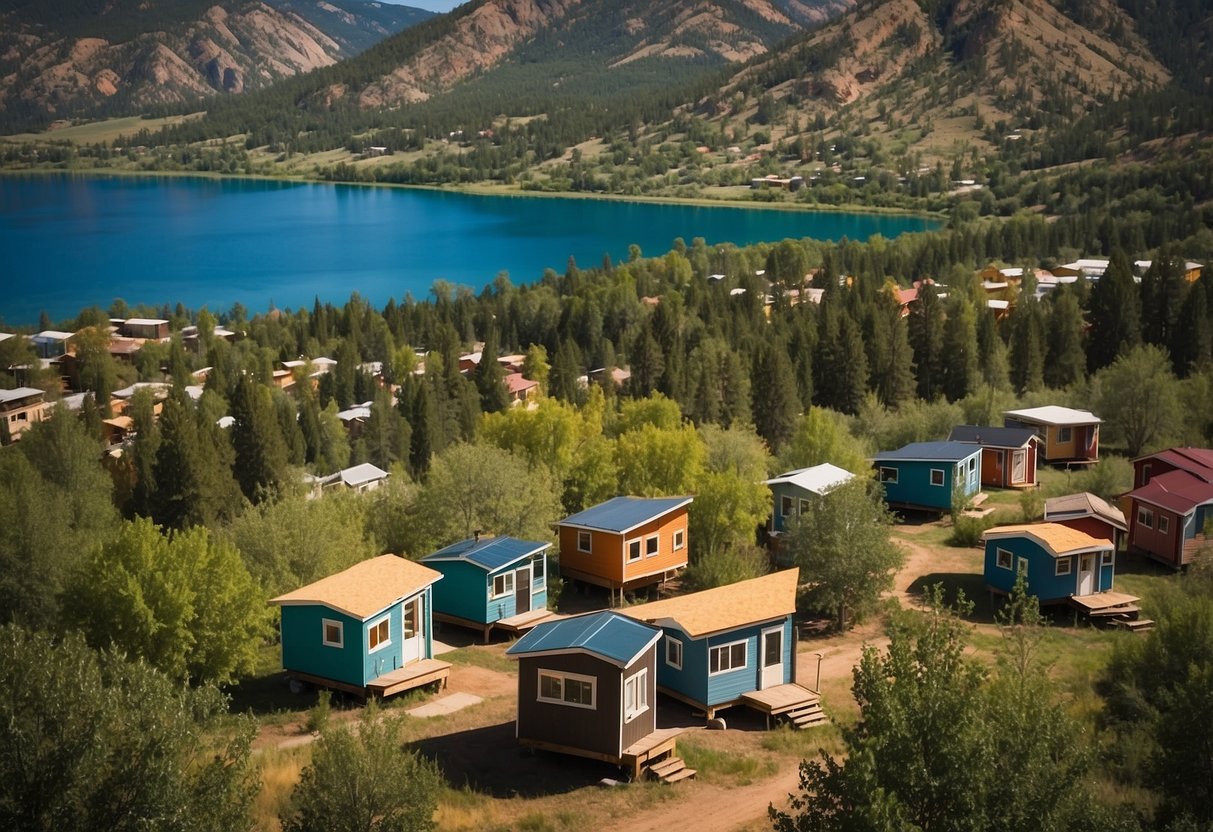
1008	455
626	542
1092	268
1088	513
794	492
20	409
149	329
1168	516
365	630
726	646
926	475
522	390
362	477
1057	562
587	687
491	581
51	343
1192	271
1069	436
1196	461
355	418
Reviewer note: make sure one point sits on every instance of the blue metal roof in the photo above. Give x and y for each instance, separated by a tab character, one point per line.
622	514
607	634
992	437
489	553
931	452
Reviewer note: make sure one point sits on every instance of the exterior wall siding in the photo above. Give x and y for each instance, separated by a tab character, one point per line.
303	648
667	557
780	523
1042	580
607	555
645	722
913	486
596	730
1164	546
387	658
1092	526
605	558
692	680
461	592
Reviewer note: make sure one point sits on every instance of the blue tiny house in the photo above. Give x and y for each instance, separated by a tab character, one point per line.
489	581
1058	562
924	475
365	630
794	492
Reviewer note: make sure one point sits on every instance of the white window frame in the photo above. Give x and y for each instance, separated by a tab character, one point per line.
1064	566
1065	434
507	585
539	572
680	539
673	652
635	694
1108	558
325	623
655	540
589	541
1163	524
972	463
786	505
802	506
562	677
627	550
1021	566
372	629
727	650
889	475
943	477
1001	555
1145	517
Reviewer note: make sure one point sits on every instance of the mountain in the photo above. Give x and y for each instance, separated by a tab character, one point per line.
81	58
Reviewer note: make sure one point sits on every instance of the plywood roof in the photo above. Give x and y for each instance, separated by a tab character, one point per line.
365	588
725	607
1058	539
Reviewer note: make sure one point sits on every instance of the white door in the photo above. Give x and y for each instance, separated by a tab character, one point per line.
1019	464
1086	574
771	659
413	638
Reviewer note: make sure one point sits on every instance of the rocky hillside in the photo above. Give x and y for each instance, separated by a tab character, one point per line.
127	56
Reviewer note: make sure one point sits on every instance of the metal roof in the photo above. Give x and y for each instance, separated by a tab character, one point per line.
1196	461
362	474
725	607
366	588
1053	414
489	553
931	452
622	514
992	437
18	393
1085	504
1056	539
608	635
1177	491
818	479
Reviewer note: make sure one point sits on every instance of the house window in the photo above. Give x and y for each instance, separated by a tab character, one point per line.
410	617
652	544
1108	555
1003	558
566	689
673	652
334	633
1164	524
727	657
785	506
1145	473
539	566
1064	435
636	695
804	507
1022	567
379	634
680	539
973	464
633	550
888	475
583	541
1064	566
937	476
503	584
1145	517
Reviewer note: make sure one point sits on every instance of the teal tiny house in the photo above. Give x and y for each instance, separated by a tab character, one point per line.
491	581
793	492
925	475
365	630
1057	562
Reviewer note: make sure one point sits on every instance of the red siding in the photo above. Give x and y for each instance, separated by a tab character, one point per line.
1163	546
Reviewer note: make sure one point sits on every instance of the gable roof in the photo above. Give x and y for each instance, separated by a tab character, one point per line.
1055	538
1054	414
818	479
365	588
930	452
362	473
993	437
489	553
606	634
1176	491
622	514
1196	461
1085	504
18	393
725	607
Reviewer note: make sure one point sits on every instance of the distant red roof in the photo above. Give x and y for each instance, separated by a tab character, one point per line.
907	296
517	384
1176	491
1196	461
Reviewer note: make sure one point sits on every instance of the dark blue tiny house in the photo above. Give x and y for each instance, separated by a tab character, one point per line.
1057	562
794	492
924	475
364	630
489	581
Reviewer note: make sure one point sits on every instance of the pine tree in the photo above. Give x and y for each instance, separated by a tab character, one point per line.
775	403
850	367
926	324
1192	344
193	471
1162	295
991	351
1115	306
1065	362
1027	346
387	437
261	454
423	419
490	376
960	359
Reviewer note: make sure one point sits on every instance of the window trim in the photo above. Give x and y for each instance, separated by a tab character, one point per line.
671	641
679	539
324	633
539	572
1066	562
885	474
1021	566
627	551
802	506
1108	558
998	558
562	677
1145	517
786	505
372	628
589	541
728	648
639	683
655	540
506	591
1162	524
1065	434
943	477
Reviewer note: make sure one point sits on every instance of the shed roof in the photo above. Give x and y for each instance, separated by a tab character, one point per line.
18	393
622	514
361	474
606	634
52	335
725	607
818	479
145	321
516	383
1054	537
1176	491
1054	414
931	452
992	437
1196	461
489	553
365	588
1085	504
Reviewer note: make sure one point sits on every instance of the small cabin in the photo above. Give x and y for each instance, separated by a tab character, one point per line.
587	686
925	476
1088	513
20	409
1057	562
1168	516
150	329
361	477
491	581
1196	461
1068	436
625	543
1008	455
365	630
794	492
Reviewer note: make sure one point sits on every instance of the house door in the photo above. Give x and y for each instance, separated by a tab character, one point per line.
522	590
772	659
413	638
1019	466
1086	574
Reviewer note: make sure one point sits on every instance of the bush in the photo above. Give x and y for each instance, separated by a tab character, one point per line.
1032	504
966	531
728	566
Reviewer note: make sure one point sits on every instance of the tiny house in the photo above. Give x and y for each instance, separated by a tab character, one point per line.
927	476
795	491
1168	516
1068	436
1088	513
1056	561
1196	461
490	581
365	630
1008	455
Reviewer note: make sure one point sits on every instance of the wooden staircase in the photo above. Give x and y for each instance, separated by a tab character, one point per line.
796	705
671	769
807	715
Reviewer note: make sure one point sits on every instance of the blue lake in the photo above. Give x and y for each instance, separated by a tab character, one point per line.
67	242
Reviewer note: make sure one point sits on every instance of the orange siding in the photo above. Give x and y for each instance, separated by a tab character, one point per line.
606	558
666	558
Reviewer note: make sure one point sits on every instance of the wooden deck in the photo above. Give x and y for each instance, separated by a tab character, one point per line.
414	675
799	705
1103	603
637	757
517	624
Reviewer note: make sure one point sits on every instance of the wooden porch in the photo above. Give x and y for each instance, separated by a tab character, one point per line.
1116	608
414	675
515	625
646	755
798	705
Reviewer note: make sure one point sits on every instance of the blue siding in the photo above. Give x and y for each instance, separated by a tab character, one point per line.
303	644
1042	580
694	680
385	658
466	591
779	491
913	486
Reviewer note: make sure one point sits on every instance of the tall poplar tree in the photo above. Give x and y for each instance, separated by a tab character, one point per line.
926	324
960	354
1115	313
1065	360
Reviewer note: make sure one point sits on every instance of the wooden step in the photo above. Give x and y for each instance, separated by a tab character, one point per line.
1123	609
667	766
1137	625
811	721
681	774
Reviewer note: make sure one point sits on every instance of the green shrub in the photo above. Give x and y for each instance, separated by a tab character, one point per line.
1032	504
966	531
